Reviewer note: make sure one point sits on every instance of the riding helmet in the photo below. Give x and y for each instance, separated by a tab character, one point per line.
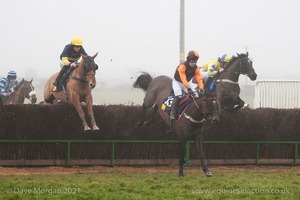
192	55
77	41
225	57
12	74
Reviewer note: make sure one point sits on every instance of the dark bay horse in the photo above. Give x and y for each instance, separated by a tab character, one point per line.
24	89
77	90
190	126
227	87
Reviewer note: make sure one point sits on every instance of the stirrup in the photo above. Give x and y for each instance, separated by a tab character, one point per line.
54	88
172	116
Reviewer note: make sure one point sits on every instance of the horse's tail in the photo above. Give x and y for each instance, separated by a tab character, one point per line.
143	81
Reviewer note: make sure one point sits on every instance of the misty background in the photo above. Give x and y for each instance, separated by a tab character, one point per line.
142	35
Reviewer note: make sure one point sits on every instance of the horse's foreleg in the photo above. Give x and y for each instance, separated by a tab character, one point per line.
181	157
201	154
240	104
89	106
81	114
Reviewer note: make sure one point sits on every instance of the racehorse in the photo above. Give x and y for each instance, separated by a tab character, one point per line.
78	89
24	89
227	86
227	89
190	126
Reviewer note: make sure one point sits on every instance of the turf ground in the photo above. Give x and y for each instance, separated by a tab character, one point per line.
100	182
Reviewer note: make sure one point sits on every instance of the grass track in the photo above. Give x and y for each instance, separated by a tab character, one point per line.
248	182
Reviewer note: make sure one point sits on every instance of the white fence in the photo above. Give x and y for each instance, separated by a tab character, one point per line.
277	94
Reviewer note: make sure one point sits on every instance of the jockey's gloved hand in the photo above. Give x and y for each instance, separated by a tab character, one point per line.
190	91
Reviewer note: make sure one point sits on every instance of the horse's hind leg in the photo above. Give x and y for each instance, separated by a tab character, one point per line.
147	115
200	152
141	120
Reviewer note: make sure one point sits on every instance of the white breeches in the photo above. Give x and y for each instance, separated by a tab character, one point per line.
203	74
178	87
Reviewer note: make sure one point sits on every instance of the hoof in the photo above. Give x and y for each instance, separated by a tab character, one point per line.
96	128
139	124
180	172
86	128
208	174
147	124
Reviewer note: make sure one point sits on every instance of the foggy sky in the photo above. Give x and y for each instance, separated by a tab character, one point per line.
143	35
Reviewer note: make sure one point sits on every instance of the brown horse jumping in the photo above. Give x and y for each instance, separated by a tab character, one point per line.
189	127
77	90
24	89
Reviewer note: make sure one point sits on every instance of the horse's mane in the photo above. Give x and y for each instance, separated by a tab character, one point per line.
19	84
234	58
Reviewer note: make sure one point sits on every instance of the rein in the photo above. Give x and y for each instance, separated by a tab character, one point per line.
83	78
198	107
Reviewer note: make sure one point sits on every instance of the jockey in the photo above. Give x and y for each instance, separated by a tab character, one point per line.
7	83
183	79
71	53
213	67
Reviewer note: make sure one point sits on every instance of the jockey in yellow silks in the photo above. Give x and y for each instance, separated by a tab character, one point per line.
213	67
71	53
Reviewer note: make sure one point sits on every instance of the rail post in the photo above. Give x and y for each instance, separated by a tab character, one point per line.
112	159
257	153
69	153
296	153
187	153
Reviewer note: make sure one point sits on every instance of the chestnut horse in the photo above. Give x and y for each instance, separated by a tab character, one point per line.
78	89
191	125
24	89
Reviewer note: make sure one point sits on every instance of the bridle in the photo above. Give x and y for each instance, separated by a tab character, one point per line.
238	72
206	113
25	94
87	66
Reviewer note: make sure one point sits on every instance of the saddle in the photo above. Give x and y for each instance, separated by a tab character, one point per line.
182	104
64	79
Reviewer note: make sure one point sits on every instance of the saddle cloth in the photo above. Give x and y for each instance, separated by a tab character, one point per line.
182	104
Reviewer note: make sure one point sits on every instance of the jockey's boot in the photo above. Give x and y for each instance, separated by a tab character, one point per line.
174	108
207	85
60	74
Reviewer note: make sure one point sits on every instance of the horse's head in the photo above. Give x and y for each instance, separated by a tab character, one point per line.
23	90
246	67
212	109
89	70
209	107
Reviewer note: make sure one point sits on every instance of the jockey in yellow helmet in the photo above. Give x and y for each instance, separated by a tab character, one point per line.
213	67
71	53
